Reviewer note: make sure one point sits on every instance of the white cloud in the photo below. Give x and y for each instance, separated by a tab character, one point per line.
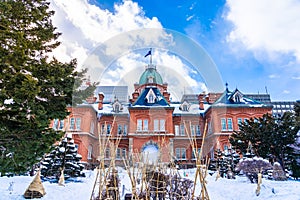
84	26
266	25
273	76
286	92
100	40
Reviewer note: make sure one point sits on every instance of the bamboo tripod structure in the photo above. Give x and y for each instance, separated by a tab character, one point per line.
103	173
201	169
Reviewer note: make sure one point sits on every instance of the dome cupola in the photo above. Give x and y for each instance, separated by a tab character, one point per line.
150	75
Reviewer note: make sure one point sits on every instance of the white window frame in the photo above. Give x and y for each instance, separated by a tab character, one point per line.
223	124
193	130
123	153
198	130
156	125
125	129
90	152
145	125
72	123
162	124
139	125
182	131
78	123
177	132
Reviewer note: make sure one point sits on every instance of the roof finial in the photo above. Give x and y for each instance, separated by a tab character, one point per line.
226	84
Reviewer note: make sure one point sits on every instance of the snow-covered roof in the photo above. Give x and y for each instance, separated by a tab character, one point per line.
193	109
108	109
237	99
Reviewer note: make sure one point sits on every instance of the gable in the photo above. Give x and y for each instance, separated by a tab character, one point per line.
151	96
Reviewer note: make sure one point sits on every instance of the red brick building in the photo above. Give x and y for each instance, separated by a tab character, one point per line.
153	126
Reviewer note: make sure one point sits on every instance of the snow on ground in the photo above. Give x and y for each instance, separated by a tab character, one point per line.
13	188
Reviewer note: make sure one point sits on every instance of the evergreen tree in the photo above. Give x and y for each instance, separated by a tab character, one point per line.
65	157
295	157
34	89
269	136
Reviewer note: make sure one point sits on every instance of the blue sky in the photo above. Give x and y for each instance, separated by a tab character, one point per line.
255	44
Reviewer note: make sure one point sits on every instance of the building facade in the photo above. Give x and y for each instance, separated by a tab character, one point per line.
153	127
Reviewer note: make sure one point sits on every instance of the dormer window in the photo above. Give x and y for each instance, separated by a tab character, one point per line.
151	96
237	97
150	79
117	106
185	106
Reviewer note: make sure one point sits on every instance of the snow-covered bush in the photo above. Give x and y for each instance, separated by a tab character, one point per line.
64	156
252	166
278	173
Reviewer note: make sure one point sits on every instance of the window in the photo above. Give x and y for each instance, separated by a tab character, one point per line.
198	131
193	154
72	123
90	151
117	108
121	153
246	120
124	153
105	129
193	131
229	124
120	129
61	124
107	153
55	124
185	108
176	129
108	129
182	132
78	123
177	152
139	125
180	153
159	125
156	124
223	124
239	120
92	127
151	98
118	154
145	128
75	123
125	130
142	125
183	153
162	125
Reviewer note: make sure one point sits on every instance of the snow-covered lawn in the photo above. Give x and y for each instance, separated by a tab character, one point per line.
13	188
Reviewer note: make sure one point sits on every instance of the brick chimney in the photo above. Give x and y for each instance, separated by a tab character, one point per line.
213	97
201	101
100	103
166	96
135	95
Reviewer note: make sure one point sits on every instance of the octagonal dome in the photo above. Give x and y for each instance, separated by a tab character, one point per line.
150	75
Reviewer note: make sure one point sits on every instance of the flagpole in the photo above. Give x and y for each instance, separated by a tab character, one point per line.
151	56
